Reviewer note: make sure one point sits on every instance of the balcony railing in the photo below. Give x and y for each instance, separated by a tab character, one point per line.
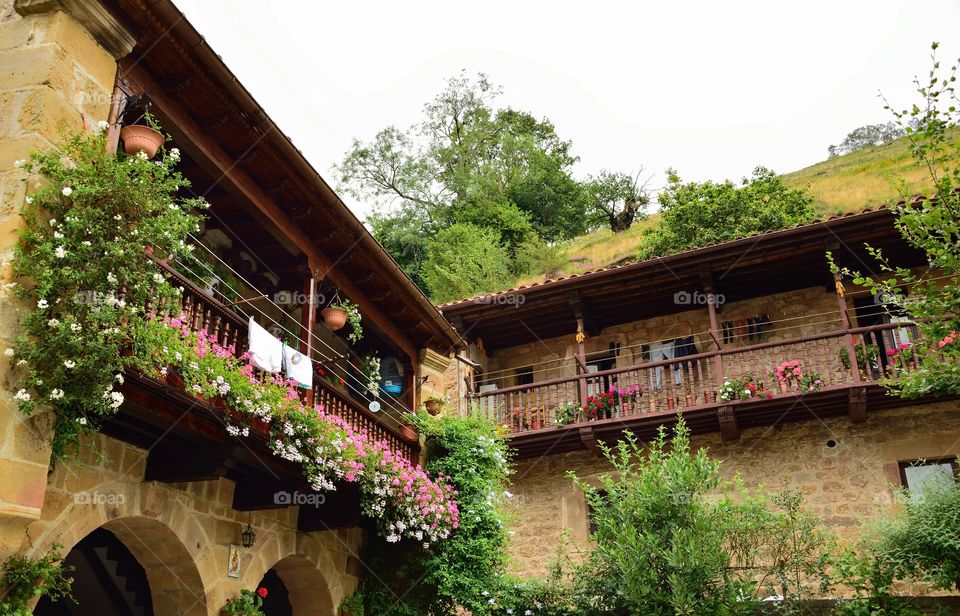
694	381
204	313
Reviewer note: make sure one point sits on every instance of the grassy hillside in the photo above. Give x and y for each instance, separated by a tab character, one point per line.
865	178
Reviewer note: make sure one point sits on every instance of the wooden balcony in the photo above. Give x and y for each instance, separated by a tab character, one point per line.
690	385
186	437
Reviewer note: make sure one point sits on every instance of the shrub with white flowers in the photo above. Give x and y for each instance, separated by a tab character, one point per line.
81	264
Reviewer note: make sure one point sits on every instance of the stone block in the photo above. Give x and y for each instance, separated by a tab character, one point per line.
48	113
33	66
22	483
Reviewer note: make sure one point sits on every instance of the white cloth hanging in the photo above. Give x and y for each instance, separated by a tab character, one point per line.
297	366
266	351
661	351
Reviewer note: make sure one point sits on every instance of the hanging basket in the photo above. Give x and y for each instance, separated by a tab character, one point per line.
408	432
137	138
433	407
334	317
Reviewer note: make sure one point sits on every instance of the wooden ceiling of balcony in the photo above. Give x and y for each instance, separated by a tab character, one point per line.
741	269
264	193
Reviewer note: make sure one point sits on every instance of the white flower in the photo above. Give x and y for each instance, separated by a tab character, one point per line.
173	206
175	153
87	243
142	155
22	395
42	304
21	362
53	222
111	278
69	363
158	278
56	394
60	252
8	352
19	163
75	327
67	191
119	378
102	126
82	421
58	235
117	399
53	323
29	199
117	217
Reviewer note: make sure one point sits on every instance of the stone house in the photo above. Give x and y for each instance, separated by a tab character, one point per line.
152	523
666	334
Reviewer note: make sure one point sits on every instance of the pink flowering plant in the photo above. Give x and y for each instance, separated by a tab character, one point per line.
398	494
789	372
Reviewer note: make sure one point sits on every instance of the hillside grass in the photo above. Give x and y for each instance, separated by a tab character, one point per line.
870	177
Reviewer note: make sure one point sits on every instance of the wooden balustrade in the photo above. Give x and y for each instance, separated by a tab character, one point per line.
694	381
204	313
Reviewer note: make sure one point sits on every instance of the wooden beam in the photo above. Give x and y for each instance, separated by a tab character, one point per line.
257	495
857	403
580	313
590	441
169	465
308	319
728	423
227	168
339	508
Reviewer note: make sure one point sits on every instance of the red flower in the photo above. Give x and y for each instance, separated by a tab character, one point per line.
262	592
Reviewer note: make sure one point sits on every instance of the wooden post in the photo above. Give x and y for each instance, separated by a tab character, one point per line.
714	328
581	362
113	119
845	322
308	317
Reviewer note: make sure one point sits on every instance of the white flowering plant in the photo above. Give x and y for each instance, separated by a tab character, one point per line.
81	265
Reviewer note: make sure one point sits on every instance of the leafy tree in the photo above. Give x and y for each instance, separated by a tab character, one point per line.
467	161
864	136
616	199
463	260
932	225
697	213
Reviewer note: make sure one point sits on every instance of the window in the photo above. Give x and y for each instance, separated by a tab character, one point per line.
591	524
524	376
918	475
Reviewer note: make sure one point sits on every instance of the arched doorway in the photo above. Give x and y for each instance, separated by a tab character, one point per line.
131	566
297	588
107	580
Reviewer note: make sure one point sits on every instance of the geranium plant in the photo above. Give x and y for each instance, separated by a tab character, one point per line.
789	373
83	270
604	404
247	603
811	382
866	355
743	388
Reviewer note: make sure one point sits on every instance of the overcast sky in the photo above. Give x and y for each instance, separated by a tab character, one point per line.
709	88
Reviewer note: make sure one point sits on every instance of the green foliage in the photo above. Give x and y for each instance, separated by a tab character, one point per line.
407	581
25	579
467	162
247	603
932	225
464	260
694	214
865	136
616	199
352	605
534	256
82	263
353	319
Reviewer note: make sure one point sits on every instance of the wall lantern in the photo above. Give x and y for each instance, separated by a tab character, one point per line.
248	536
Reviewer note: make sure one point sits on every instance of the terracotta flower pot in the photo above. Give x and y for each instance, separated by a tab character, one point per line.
710	397
432	406
138	138
334	317
783	387
689	400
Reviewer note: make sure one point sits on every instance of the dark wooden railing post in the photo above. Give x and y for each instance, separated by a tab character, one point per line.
308	317
845	322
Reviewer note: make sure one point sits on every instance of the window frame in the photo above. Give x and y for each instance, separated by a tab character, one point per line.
903	465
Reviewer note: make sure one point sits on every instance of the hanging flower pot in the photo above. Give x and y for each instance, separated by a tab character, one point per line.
137	138
334	317
433	407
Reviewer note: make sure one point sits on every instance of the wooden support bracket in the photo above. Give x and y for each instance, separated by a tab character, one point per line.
858	404
728	423
590	441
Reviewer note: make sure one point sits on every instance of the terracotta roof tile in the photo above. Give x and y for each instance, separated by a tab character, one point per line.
635	263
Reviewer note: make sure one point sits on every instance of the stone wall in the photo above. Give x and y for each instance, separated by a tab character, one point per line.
844	470
181	534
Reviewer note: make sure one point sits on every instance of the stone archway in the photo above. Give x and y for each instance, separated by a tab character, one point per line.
307	589
175	587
